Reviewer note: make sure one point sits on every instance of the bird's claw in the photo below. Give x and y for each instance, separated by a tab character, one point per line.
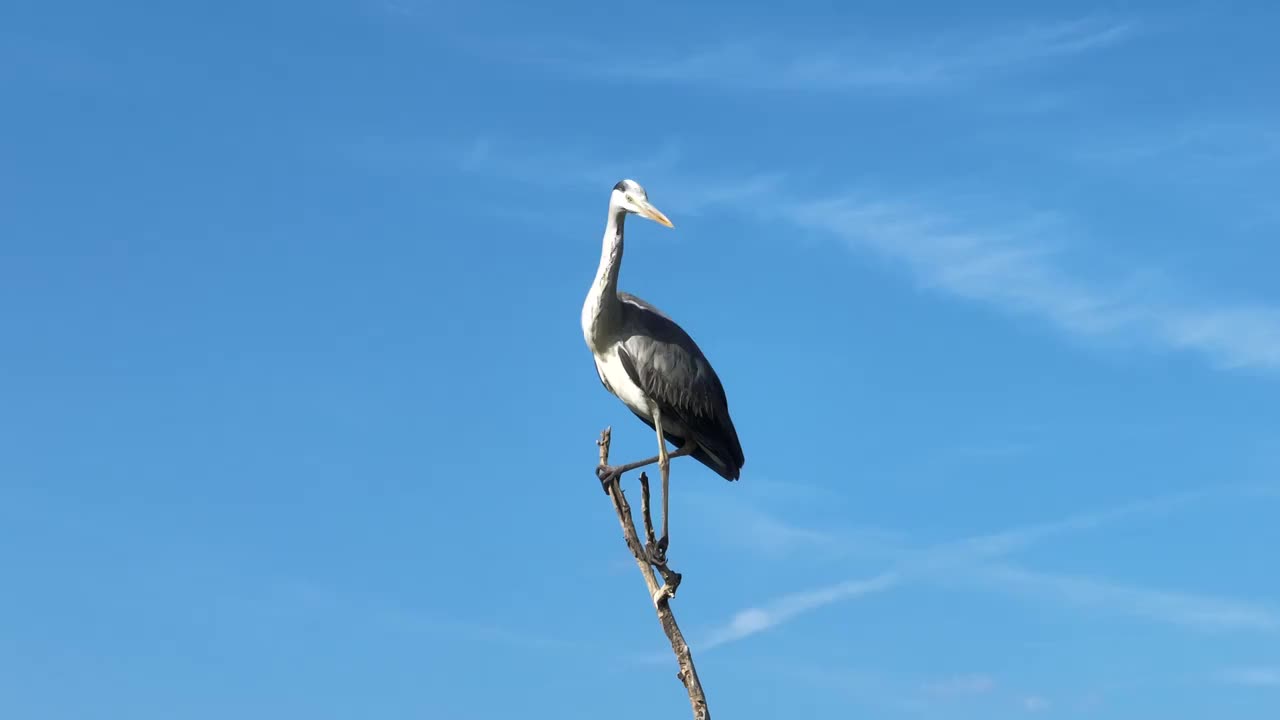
607	474
656	553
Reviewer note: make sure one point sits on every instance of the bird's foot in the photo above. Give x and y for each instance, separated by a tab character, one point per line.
656	552
607	474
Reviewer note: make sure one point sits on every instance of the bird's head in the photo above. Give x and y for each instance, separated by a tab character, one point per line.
629	196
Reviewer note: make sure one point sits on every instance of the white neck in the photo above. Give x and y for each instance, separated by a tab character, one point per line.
600	312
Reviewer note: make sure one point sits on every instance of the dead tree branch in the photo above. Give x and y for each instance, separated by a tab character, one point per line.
661	595
670	578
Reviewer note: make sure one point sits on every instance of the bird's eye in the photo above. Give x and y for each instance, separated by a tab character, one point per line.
628	197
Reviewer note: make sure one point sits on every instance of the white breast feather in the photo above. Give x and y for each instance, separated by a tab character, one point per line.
615	375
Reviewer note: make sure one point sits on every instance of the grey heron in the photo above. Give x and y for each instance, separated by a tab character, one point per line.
653	366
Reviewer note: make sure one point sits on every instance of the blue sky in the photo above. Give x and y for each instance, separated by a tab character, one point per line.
298	421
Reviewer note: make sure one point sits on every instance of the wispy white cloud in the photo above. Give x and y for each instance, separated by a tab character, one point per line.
1229	160
959	685
1189	610
751	528
941	61
1008	541
1019	267
743	524
1259	676
1205	149
895	693
1035	703
758	619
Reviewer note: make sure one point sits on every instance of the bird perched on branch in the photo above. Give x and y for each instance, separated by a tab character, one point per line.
653	366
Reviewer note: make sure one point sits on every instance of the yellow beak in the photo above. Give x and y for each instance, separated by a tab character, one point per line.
653	213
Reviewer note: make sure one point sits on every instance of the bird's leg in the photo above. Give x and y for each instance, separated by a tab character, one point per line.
664	467
608	472
605	472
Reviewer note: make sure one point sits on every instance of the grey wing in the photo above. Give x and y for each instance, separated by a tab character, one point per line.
665	362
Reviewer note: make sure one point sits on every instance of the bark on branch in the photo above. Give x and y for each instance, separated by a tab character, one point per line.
661	594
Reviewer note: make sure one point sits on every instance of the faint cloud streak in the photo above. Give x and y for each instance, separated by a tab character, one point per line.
958	685
1018	269
940	62
758	619
1188	610
1261	676
1204	148
1035	704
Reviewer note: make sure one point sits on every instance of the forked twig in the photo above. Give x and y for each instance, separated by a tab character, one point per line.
650	538
670	578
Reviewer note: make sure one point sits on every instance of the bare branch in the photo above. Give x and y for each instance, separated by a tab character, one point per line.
656	558
661	595
649	536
